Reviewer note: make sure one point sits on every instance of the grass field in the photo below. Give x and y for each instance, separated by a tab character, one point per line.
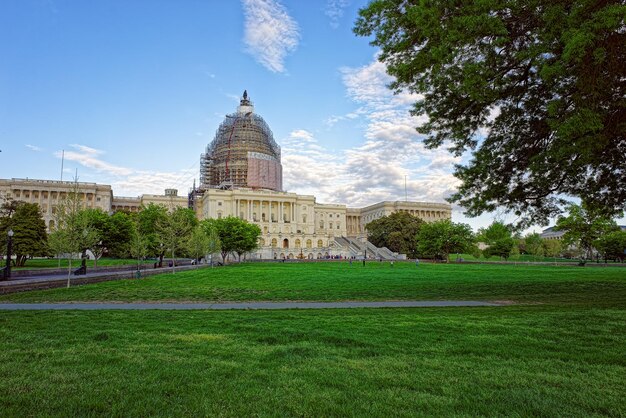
341	281
38	263
559	352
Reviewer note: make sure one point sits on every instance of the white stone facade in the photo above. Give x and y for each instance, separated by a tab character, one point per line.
48	193
295	226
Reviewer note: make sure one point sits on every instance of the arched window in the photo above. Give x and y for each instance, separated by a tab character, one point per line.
320	244
262	242
322	224
285	243
263	217
219	215
309	243
298	243
274	243
330	225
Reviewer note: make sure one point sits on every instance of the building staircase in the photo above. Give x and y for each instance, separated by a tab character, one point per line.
358	249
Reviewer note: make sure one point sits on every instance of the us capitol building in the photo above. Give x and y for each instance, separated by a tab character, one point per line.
241	175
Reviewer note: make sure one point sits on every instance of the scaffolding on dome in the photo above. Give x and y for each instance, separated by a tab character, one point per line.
230	159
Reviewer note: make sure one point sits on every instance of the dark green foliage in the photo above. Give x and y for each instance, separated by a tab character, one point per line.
398	232
612	246
29	229
498	237
439	239
147	221
494	232
545	78
118	238
501	247
235	235
582	227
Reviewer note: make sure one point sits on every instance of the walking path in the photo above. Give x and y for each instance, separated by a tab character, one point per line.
241	305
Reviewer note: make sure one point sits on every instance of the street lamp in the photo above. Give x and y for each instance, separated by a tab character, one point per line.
364	240
7	270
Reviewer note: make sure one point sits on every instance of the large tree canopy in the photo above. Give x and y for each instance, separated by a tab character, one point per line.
398	232
27	223
235	235
546	79
583	227
441	238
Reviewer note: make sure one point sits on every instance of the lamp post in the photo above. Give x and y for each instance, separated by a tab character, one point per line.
365	250
7	270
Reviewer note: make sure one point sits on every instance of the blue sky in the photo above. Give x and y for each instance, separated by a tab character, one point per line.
133	91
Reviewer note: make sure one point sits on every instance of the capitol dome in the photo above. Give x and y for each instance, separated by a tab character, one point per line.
243	153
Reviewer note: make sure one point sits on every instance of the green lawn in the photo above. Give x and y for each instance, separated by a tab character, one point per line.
509	361
522	258
340	281
38	263
559	352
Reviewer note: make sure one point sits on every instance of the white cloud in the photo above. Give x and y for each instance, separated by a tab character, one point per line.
374	170
302	134
89	157
127	181
270	33
34	148
154	182
334	11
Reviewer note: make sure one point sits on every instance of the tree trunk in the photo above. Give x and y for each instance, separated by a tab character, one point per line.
173	262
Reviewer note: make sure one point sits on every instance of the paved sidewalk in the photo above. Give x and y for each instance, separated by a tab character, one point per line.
241	305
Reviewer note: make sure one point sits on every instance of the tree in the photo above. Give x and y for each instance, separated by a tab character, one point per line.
534	245
552	247
148	218
612	246
214	244
515	250
235	235
501	248
138	245
117	238
494	232
499	239
198	244
30	237
174	230
582	227
97	220
543	78
439	239
249	239
398	232
73	231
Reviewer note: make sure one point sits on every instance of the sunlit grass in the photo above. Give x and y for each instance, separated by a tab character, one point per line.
342	281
